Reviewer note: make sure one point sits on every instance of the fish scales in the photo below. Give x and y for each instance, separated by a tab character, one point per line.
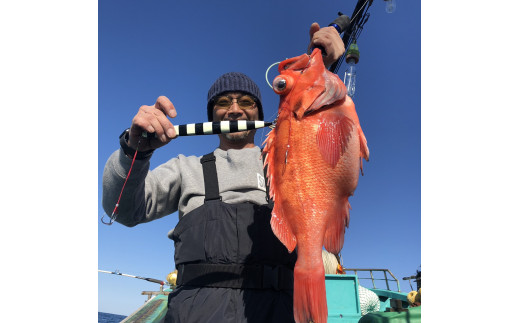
313	158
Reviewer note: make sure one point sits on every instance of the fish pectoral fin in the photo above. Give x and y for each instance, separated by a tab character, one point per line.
333	135
282	230
335	233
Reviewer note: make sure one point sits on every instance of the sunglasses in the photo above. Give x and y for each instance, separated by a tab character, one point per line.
245	102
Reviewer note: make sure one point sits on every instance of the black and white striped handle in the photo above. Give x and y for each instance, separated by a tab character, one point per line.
213	128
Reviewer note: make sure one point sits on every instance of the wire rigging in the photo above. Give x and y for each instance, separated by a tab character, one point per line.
359	19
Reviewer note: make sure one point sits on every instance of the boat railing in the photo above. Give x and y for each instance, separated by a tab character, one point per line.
417	280
385	272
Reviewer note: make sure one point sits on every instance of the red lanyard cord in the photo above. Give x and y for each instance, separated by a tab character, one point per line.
114	213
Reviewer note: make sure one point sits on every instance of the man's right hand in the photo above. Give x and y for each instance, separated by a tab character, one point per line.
152	119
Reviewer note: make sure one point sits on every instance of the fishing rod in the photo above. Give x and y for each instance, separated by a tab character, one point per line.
153	280
352	31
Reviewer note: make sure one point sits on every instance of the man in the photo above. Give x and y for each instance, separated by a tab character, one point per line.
230	265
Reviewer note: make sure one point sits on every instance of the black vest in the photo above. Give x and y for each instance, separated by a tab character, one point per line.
231	267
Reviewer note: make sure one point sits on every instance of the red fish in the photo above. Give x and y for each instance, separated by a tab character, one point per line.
314	159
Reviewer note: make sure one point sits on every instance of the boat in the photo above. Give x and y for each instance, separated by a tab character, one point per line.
344	300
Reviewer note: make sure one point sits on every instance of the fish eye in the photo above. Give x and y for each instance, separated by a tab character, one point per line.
280	84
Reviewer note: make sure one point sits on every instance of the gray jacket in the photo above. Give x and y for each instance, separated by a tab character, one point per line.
178	184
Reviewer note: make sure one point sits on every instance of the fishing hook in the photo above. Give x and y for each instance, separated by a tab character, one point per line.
112	217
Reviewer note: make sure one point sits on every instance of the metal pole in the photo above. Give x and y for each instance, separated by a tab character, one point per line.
386	280
396	280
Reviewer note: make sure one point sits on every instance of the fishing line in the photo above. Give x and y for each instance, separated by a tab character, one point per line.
267	72
360	9
276	113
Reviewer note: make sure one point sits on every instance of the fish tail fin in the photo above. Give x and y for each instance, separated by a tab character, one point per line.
310	299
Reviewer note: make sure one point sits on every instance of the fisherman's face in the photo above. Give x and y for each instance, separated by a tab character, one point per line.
234	112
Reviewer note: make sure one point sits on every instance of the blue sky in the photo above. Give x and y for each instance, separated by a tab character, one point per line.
177	49
72	80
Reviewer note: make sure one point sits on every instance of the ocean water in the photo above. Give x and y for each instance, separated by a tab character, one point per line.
109	318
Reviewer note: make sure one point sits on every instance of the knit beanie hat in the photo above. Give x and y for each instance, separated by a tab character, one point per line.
233	82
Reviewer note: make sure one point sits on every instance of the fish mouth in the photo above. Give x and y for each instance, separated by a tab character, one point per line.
299	63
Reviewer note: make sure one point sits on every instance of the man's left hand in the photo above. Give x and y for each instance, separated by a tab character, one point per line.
328	39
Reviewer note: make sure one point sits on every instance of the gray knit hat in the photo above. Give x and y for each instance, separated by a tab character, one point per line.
231	82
